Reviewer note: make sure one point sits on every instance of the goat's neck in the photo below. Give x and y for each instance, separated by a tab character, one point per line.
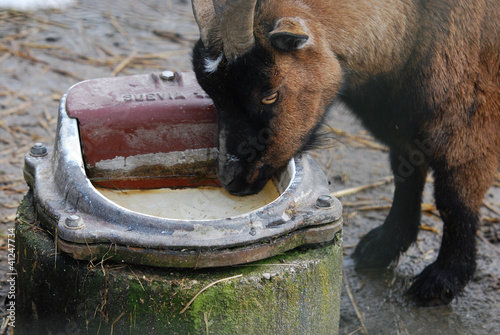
369	36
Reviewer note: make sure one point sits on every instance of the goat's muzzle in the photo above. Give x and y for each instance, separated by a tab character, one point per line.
233	174
228	167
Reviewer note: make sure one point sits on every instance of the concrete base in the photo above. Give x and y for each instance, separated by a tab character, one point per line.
294	293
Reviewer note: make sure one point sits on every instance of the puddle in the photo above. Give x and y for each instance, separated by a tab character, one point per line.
202	203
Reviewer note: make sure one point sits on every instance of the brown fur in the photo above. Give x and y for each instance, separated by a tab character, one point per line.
423	76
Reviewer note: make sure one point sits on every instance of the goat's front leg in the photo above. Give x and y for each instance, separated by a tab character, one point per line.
383	245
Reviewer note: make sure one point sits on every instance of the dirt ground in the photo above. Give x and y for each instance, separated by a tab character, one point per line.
43	53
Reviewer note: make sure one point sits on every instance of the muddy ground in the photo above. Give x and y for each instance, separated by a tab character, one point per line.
43	53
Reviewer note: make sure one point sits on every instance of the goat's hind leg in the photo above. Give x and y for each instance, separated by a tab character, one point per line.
384	244
459	192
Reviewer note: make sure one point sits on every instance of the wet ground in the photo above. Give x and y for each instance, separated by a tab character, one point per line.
374	300
43	53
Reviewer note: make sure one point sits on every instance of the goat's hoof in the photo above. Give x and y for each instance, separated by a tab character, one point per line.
436	286
376	250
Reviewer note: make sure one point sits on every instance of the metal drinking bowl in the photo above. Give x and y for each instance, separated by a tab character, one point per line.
156	131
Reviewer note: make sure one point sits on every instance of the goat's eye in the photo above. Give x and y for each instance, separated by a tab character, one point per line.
270	99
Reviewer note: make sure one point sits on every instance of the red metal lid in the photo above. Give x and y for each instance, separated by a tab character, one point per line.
123	118
129	116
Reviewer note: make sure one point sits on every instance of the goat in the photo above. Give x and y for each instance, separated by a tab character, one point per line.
422	75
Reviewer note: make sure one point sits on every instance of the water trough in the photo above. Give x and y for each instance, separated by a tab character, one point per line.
131	179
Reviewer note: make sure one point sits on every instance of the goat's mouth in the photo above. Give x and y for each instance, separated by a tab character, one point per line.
237	178
239	188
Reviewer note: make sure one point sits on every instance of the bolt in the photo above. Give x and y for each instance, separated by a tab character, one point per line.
38	150
74	221
324	201
167	75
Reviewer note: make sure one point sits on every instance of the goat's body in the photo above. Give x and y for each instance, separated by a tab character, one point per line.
443	67
440	108
423	77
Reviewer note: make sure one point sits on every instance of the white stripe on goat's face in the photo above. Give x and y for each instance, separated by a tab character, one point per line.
211	65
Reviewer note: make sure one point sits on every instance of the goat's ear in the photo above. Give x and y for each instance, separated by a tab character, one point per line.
289	34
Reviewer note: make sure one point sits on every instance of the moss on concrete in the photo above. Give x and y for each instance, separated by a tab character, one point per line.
297	292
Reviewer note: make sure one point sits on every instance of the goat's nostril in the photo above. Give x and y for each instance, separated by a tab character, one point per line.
228	166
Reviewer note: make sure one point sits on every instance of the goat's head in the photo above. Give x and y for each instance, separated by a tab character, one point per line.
269	70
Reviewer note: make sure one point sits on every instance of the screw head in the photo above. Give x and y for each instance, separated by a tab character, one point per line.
38	150
324	201
74	221
167	75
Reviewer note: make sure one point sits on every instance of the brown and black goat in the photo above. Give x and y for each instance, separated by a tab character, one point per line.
422	75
